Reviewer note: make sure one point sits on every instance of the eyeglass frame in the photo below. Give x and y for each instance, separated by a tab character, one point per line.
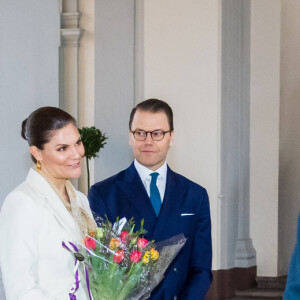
151	132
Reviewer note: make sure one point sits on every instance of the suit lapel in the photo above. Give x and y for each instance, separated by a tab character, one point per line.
40	185
137	196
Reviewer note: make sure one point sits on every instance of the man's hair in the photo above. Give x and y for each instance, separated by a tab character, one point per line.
154	106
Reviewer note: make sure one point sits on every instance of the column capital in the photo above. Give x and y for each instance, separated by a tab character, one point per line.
71	36
70	32
70	20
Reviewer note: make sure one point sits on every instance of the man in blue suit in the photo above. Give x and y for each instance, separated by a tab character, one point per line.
169	203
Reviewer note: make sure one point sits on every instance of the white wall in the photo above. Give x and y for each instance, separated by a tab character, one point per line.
289	170
114	82
29	79
181	66
264	143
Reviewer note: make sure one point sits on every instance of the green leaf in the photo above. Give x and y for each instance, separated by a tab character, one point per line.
93	140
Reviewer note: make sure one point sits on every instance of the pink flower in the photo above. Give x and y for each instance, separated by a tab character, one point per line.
135	256
142	243
119	256
123	236
90	243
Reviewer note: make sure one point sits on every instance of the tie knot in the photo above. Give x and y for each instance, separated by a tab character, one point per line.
154	176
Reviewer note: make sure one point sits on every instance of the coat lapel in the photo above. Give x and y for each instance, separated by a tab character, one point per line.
137	196
40	185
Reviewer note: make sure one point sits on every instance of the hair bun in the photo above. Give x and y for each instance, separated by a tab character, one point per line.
24	132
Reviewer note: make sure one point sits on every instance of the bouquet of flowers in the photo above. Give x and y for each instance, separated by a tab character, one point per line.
122	264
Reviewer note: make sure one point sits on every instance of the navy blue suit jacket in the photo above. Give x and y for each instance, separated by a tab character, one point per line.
292	288
124	195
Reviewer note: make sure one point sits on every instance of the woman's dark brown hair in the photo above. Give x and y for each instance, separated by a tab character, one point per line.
38	128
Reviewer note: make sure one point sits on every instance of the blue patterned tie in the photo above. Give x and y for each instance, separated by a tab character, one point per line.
154	193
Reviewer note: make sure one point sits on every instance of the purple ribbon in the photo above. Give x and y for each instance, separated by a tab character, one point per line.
88	282
72	296
77	280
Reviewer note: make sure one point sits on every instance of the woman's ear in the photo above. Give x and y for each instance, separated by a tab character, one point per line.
35	152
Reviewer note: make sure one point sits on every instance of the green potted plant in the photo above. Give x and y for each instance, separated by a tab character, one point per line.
93	140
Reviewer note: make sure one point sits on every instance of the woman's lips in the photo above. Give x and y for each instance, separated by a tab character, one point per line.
75	165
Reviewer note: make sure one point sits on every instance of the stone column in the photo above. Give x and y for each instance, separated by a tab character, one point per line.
235	247
69	59
70	37
245	254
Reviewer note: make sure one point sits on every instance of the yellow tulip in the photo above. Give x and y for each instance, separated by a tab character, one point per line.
146	257
154	254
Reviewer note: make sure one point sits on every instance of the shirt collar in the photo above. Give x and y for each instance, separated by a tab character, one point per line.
144	172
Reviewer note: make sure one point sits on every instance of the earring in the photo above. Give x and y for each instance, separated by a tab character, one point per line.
38	165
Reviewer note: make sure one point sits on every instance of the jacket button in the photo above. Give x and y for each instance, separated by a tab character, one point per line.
175	297
175	270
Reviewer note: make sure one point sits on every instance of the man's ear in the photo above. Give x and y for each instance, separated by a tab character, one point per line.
172	138
36	152
130	135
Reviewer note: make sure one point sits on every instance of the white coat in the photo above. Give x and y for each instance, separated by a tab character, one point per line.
33	224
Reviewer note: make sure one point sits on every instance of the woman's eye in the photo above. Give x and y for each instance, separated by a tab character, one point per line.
62	148
79	142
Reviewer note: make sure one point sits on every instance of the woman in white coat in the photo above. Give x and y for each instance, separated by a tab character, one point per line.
44	211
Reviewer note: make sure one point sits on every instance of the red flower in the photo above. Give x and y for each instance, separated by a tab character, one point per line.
123	236
90	243
135	256
119	256
142	243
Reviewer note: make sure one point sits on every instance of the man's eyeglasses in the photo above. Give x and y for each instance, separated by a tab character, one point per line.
156	135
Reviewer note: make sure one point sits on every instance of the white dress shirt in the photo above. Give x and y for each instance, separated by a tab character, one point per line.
146	178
